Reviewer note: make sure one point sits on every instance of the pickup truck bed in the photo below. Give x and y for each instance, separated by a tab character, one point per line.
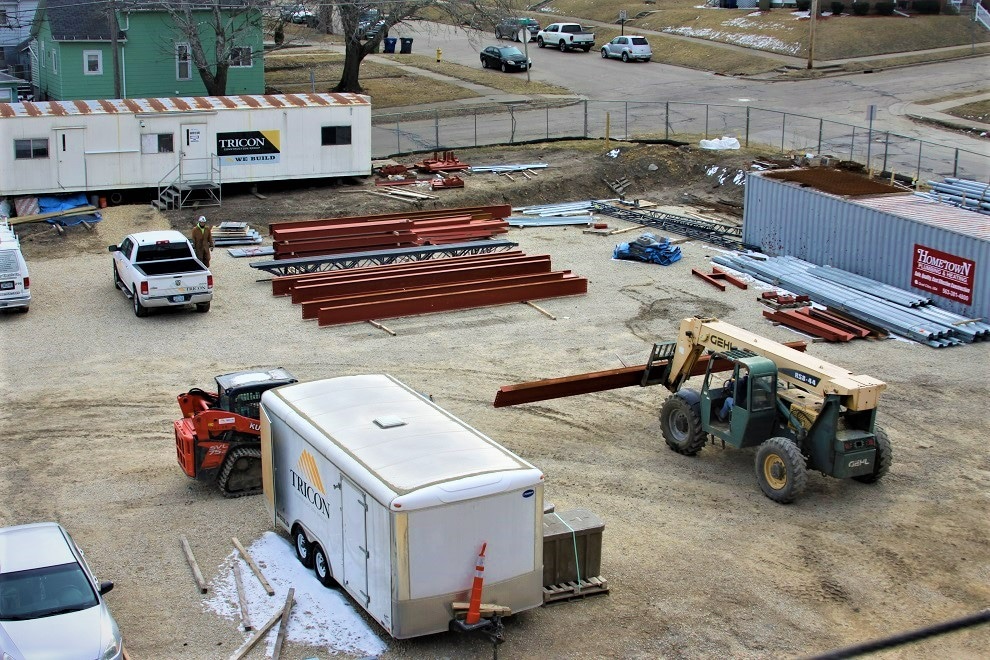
171	267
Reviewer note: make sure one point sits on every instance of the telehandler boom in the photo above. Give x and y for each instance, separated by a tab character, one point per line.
800	412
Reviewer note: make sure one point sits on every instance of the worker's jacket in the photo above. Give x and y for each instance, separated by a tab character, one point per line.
202	240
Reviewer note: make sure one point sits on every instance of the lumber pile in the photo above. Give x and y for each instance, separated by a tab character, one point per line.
235	233
387	231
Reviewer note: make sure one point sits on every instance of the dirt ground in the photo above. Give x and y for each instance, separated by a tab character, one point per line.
699	562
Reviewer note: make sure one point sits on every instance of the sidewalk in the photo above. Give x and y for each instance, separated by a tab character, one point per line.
934	112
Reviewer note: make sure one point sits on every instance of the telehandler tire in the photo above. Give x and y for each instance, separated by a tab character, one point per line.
781	470
304	549
885	456
680	424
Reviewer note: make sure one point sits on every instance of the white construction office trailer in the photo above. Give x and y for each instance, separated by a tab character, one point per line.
73	146
394	497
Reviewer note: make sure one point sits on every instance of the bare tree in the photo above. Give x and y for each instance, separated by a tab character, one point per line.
233	23
470	13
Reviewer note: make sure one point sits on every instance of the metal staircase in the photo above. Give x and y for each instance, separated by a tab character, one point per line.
193	182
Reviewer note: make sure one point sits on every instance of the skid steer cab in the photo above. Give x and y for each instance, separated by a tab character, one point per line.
219	436
793	429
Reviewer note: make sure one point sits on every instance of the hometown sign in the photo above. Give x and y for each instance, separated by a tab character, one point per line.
249	147
943	274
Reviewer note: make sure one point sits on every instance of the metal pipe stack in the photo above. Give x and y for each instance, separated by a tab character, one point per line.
895	310
965	193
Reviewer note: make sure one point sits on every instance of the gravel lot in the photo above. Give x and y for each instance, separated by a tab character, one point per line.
700	563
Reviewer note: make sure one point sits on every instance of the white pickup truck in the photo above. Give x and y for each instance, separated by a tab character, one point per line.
158	269
565	36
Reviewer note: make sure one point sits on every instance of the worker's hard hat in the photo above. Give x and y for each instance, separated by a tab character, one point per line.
202	219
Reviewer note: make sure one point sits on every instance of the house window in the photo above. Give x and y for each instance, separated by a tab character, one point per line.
335	135
93	62
157	143
183	64
54	61
240	57
4	18
6	95
33	148
41	58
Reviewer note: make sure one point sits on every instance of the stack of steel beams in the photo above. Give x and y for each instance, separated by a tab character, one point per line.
387	231
897	312
408	289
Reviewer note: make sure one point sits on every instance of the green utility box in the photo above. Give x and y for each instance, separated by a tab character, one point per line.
572	540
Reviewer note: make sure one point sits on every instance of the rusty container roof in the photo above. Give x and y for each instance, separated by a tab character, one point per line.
836	182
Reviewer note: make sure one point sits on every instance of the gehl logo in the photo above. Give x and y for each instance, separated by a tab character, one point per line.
717	341
309	484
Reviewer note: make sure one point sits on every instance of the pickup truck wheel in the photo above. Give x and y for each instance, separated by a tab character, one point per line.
140	310
116	276
562	46
321	566
587	49
625	57
203	308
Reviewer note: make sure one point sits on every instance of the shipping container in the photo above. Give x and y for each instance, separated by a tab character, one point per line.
73	146
390	496
934	249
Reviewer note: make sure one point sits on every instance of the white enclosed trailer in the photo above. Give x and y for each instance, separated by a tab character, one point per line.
73	146
392	497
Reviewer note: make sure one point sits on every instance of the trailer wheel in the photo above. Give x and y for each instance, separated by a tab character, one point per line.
322	567
680	424
885	456
304	551
780	470
140	310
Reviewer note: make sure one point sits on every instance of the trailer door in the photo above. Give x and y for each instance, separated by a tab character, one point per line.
195	164
70	157
354	507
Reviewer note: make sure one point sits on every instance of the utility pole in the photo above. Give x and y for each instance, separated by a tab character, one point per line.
811	41
113	46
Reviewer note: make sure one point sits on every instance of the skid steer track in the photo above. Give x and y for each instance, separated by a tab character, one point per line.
241	473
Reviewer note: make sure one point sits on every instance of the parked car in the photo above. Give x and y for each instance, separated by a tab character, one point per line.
506	58
628	48
509	28
51	606
302	15
565	36
370	23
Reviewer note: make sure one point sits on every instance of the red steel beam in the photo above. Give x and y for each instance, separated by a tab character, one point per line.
283	284
314	308
394	281
348	229
809	325
495	211
708	278
499	295
833	320
735	281
598	381
342	242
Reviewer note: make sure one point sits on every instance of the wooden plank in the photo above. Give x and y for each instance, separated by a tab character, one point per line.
540	309
257	636
283	626
81	210
254	567
487	609
241	598
197	574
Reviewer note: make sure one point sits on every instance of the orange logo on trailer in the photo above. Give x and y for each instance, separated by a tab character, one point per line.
307	467
309	484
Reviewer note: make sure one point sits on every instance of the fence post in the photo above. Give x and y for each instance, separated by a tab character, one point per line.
476	127
436	127
706	121
783	131
886	148
666	121
917	174
747	125
398	143
852	143
626	120
548	121
955	164
586	118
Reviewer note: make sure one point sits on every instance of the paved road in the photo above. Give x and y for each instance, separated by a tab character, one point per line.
840	98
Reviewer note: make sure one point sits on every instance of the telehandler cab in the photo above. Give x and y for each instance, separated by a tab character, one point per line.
219	435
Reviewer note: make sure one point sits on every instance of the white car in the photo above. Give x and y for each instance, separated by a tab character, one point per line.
51	606
628	48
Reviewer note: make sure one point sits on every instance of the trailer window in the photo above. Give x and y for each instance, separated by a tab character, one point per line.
183	66
240	57
93	62
336	135
33	148
157	143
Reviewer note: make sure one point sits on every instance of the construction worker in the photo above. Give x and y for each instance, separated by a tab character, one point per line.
202	240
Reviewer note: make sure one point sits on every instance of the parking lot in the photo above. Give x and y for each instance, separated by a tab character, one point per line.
699	562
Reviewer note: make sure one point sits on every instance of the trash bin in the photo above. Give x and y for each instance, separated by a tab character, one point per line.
764	5
406	47
390	44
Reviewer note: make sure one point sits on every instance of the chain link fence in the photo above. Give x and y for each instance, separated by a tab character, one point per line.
784	132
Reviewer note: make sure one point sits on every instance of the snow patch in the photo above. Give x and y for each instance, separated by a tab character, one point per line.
321	617
757	41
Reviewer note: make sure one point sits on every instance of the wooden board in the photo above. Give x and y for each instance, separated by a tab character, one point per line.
573	590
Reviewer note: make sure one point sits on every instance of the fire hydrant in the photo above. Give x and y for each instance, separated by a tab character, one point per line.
439	54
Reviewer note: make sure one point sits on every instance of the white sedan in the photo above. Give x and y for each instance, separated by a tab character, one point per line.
628	48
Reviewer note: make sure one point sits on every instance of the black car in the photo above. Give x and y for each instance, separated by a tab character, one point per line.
506	58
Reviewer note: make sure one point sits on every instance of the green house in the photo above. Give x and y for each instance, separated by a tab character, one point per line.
72	49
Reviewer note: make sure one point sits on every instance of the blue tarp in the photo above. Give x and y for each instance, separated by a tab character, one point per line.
649	249
61	202
73	220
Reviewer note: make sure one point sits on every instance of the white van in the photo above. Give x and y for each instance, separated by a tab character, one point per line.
391	497
15	284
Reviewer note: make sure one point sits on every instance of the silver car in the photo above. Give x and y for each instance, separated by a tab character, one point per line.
628	48
51	606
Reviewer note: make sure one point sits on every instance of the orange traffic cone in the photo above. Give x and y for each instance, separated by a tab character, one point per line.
474	606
